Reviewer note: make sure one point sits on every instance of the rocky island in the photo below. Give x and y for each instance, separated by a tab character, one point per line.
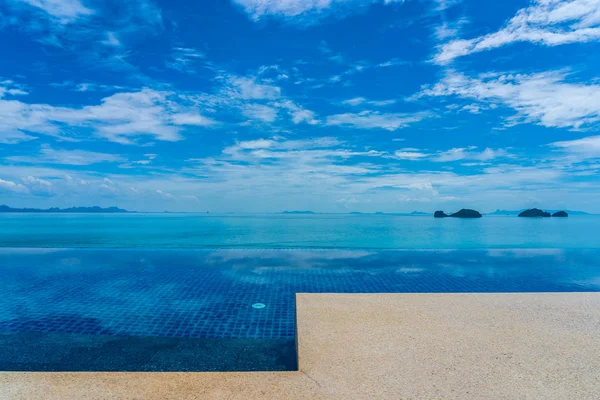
534	212
560	214
464	213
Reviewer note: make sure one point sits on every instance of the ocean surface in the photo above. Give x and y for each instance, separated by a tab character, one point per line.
294	231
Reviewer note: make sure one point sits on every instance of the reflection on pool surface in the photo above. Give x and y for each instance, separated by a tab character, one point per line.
172	303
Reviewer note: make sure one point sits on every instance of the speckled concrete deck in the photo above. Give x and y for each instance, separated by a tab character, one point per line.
526	346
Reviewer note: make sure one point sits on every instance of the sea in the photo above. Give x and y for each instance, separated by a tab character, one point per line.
314	231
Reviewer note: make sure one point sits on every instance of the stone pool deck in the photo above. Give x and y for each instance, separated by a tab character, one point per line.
421	346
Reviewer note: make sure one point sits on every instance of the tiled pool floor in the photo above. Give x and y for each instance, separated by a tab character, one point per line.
150	296
75	352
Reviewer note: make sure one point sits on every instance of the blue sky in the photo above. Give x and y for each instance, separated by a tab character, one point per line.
328	105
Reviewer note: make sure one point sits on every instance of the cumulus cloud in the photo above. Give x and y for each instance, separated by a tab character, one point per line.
11	186
123	117
545	22
543	98
36	181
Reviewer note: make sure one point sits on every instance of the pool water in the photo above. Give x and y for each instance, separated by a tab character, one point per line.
223	310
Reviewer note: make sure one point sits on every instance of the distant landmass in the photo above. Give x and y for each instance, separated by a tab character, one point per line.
298	212
94	209
535	212
464	213
517	212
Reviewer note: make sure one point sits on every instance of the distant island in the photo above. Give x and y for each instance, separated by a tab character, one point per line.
536	212
517	212
464	213
94	209
298	212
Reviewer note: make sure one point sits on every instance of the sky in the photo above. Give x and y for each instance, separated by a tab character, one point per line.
323	105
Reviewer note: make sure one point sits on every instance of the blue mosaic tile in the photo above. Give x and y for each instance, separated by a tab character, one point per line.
210	293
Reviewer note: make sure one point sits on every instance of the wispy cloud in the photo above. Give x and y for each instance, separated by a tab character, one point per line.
543	98
410	154
584	148
307	11
357	101
376	120
469	153
64	11
184	58
546	22
255	99
259	112
451	155
48	155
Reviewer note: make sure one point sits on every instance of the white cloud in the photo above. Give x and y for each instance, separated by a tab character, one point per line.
543	98
32	180
192	118
48	155
547	22
356	101
11	186
260	112
14	137
374	119
410	154
469	153
165	194
313	9
111	40
256	99
298	113
65	11
122	117
248	89
455	154
273	174
391	63
184	58
585	148
442	5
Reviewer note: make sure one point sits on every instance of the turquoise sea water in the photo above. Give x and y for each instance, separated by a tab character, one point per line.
294	231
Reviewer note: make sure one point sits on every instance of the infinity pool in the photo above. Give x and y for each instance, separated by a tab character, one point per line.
182	310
